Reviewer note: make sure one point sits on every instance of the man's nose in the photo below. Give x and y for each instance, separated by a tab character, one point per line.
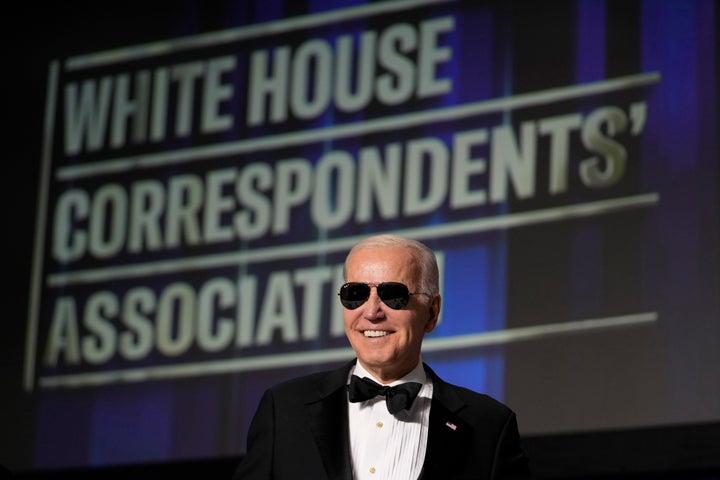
373	305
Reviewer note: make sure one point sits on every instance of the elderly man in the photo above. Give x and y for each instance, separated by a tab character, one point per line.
385	414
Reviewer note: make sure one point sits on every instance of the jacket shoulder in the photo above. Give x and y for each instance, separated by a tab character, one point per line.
322	382
459	398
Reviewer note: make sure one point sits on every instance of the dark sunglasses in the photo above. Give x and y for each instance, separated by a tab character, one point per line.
395	295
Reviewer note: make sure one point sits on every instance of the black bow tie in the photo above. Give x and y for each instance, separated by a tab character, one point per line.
397	398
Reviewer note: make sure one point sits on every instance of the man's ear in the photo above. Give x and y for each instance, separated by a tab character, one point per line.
433	312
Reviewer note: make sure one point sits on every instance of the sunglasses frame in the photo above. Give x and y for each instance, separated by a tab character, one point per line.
394	302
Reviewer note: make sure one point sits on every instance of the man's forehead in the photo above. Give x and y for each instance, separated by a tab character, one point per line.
377	261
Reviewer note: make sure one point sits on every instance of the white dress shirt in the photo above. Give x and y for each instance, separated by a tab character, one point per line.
385	446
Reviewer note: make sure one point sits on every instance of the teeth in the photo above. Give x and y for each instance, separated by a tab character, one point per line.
375	333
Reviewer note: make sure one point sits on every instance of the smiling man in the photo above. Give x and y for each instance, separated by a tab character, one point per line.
384	415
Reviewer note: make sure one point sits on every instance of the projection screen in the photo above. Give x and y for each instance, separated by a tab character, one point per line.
198	173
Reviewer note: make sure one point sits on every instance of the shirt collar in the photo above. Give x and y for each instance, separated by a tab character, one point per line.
417	374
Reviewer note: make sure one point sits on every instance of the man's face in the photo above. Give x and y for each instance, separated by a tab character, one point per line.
387	341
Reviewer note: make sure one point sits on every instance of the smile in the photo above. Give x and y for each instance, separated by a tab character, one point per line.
375	333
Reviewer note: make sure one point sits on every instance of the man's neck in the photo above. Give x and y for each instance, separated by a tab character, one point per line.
416	374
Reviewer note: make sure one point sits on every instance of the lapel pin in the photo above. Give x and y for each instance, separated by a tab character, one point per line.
451	425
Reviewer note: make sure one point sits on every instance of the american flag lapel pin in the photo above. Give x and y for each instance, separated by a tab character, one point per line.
451	425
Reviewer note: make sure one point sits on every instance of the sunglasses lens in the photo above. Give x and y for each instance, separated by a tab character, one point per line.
395	295
354	294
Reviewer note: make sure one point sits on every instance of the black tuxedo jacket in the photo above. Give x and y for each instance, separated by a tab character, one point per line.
300	432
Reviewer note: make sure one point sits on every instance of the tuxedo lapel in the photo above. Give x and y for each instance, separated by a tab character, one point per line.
328	417
449	436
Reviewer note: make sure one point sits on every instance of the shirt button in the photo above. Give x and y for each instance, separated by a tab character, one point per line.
372	469
379	424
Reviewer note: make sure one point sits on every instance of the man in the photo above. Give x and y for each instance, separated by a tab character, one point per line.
321	426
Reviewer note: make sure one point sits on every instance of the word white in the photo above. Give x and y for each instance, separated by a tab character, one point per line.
141	104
